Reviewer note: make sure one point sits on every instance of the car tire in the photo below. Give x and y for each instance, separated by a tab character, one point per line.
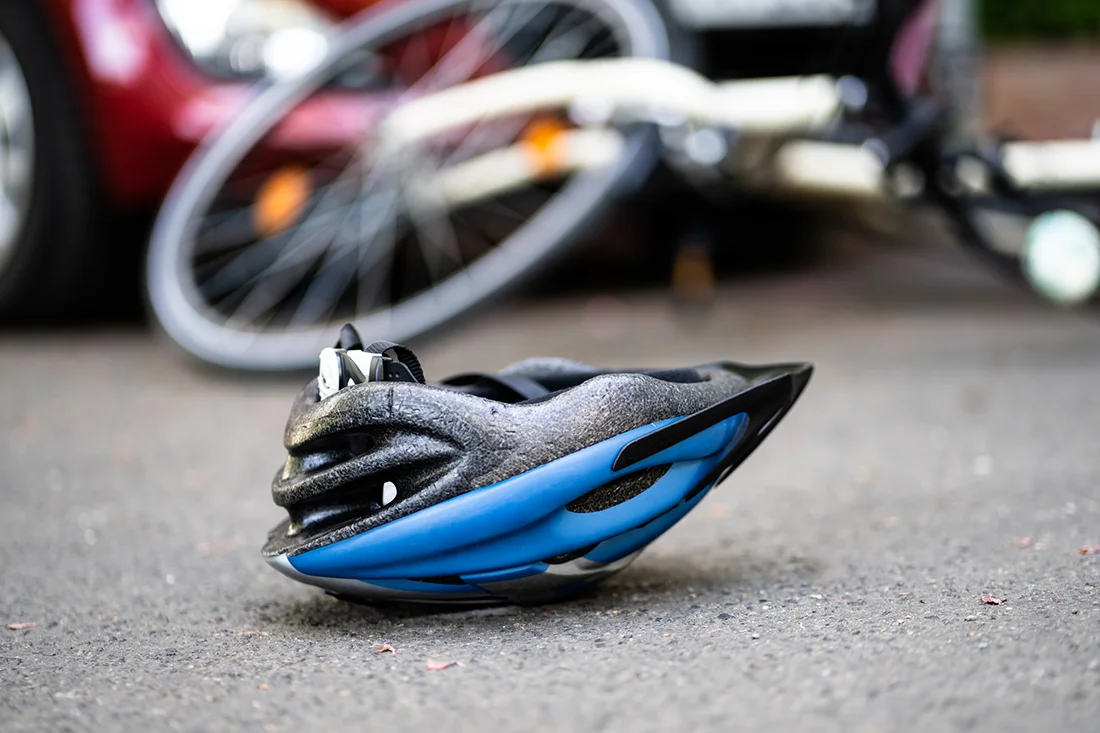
44	268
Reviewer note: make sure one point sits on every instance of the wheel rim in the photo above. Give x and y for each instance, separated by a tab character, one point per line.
16	152
174	298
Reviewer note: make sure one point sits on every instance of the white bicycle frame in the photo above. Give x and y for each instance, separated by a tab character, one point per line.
648	90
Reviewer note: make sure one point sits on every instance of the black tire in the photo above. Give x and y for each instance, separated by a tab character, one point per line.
39	276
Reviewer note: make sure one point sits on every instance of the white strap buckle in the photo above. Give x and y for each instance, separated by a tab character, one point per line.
341	368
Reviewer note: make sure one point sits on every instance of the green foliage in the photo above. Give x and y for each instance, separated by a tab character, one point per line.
1040	19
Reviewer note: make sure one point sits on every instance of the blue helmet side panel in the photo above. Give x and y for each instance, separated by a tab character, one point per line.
509	526
507	575
539	582
563	531
637	538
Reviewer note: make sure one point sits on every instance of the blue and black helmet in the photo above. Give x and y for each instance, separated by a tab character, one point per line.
526	485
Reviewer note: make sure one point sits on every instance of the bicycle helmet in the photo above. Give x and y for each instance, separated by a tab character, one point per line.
521	486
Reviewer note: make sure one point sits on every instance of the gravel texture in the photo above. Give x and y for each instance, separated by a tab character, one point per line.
833	583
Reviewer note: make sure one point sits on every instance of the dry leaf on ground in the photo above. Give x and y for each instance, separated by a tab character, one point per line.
435	666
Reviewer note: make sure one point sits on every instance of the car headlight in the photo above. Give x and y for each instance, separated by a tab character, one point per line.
251	39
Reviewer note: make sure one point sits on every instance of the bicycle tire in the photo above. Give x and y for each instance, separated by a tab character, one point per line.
570	212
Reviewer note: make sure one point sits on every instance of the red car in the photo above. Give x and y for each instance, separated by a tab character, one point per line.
101	101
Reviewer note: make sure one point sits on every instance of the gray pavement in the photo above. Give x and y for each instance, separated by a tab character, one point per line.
833	583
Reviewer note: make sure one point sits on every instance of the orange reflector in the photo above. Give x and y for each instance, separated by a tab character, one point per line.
281	200
542	139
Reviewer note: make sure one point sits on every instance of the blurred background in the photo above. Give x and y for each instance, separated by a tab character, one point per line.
104	100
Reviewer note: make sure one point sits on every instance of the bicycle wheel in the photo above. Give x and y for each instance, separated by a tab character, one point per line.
281	228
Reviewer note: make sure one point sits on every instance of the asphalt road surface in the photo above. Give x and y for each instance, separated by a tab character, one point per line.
946	448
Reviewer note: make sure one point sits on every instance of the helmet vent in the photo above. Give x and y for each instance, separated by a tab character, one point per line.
442	580
357	499
616	492
570	556
326	452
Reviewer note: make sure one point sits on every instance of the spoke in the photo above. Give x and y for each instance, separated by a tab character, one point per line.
467	51
279	278
478	230
422	56
492	225
298	248
241	268
435	78
330	282
243	185
429	217
230	228
327	284
228	231
269	290
501	209
379	263
485	131
325	288
250	266
567	45
506	130
448	42
386	216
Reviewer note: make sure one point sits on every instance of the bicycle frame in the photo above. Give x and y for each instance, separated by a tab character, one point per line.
792	110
